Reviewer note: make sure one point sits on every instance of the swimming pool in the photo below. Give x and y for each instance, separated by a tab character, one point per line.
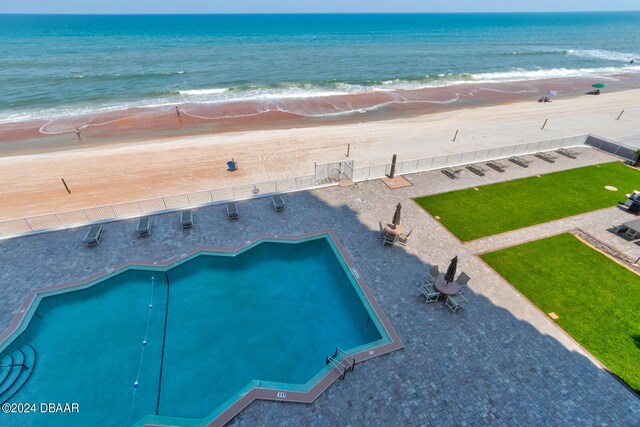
184	343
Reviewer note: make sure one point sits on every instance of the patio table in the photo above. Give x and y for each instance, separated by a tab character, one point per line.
396	230
446	288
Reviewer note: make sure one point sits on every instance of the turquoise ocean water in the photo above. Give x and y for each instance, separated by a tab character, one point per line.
60	65
216	323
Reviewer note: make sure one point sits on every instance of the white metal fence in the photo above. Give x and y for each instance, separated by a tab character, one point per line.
449	160
68	219
330	173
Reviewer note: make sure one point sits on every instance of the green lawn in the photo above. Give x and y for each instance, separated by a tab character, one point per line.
598	300
496	208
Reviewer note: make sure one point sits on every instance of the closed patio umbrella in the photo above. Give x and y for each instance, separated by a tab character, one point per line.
396	216
451	271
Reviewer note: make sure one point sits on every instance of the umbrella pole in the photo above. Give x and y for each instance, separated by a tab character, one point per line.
392	174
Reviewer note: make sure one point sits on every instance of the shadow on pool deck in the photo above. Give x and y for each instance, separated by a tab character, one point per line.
497	362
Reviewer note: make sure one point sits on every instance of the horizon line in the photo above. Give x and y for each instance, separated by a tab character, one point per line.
318	13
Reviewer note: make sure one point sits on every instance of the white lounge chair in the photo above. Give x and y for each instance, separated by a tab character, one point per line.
462	281
403	238
389	239
430	293
456	302
432	275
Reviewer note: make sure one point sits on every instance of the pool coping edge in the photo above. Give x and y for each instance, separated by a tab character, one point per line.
256	392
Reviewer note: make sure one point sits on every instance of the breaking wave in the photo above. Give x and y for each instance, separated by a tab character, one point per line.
332	95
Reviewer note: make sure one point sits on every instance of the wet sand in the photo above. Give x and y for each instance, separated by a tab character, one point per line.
138	157
137	124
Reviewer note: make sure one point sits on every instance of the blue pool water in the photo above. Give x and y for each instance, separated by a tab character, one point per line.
271	313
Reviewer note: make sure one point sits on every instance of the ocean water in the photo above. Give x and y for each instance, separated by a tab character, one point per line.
64	65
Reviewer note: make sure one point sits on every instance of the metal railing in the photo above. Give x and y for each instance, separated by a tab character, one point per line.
624	151
74	218
79	217
459	159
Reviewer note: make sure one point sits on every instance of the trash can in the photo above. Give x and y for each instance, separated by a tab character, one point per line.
635	207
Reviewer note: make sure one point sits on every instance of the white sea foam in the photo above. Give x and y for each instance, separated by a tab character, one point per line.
270	96
515	75
536	52
608	55
125	75
553	73
603	54
294	93
263	93
59	112
196	92
527	75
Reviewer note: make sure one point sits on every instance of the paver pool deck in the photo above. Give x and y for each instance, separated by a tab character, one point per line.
498	362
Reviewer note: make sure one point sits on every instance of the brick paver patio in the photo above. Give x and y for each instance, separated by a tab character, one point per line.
499	362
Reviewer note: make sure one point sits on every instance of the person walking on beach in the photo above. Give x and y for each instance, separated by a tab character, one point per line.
178	111
79	136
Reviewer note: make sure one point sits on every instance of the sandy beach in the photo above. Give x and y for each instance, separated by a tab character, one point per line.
141	168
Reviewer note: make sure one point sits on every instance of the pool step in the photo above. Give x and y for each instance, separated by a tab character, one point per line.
5	368
14	372
21	366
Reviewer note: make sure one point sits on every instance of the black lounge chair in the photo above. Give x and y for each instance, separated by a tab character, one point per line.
278	203
232	210
144	227
93	236
518	161
619	228
186	219
450	173
498	167
475	169
546	157
567	153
